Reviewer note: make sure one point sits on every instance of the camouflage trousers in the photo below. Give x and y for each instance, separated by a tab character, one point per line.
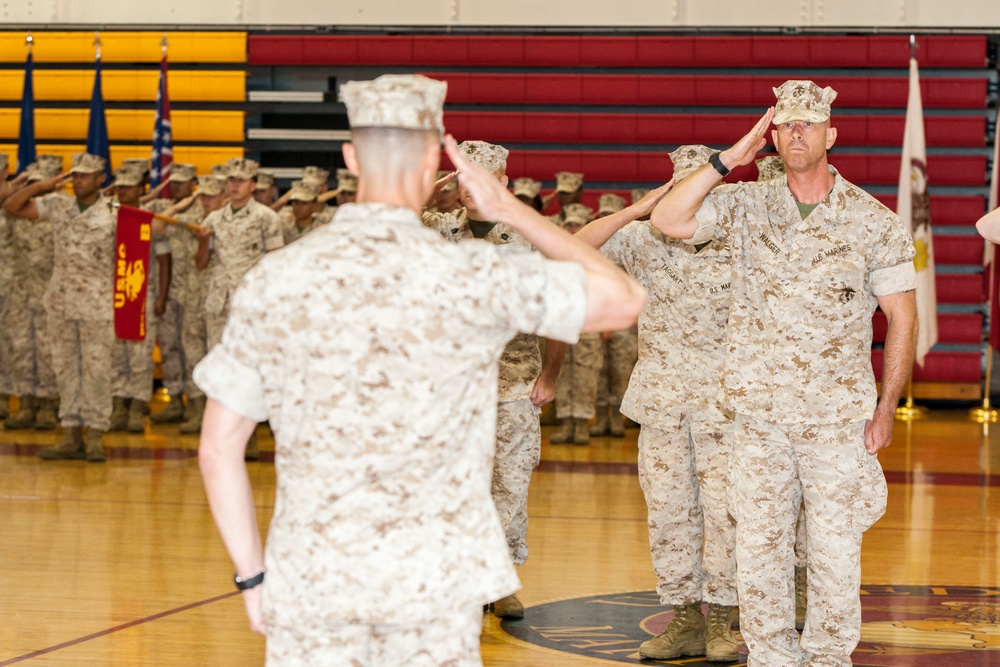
576	387
132	364
620	354
518	450
6	374
31	359
775	470
81	359
194	340
451	639
683	476
174	363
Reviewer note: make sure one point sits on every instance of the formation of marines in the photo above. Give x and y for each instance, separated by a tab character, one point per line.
754	298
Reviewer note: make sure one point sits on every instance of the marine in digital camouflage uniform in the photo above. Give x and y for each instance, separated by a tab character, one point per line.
576	387
302	216
379	375
132	360
6	264
170	325
812	257
686	436
32	246
78	302
621	350
522	377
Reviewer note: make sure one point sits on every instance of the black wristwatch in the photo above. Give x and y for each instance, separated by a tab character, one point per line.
252	582
716	162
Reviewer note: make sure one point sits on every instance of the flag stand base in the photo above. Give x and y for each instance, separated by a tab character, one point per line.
908	412
985	414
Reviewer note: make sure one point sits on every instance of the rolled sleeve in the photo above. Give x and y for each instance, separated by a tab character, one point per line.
234	384
894	279
707	217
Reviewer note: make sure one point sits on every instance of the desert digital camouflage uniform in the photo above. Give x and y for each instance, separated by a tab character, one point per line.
191	287
132	360
241	238
290	231
383	451
621	351
519	435
6	310
798	374
170	325
576	388
79	306
33	250
685	438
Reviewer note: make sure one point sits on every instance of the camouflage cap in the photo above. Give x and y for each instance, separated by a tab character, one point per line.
85	163
181	172
802	100
221	170
639	193
4	161
568	181
770	167
577	214
450	185
265	180
688	158
407	101
140	164
304	191
348	182
527	187
491	157
127	177
211	185
47	166
242	168
316	175
609	203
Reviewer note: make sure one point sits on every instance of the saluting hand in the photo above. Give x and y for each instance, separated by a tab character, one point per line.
745	150
645	206
491	197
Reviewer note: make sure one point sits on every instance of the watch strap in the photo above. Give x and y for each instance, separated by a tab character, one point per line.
716	162
252	582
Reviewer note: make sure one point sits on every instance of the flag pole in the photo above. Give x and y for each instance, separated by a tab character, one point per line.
986	414
908	411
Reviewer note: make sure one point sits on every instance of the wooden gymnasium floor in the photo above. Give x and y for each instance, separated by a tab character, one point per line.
120	564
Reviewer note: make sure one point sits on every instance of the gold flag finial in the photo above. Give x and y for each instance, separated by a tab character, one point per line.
163	45
97	43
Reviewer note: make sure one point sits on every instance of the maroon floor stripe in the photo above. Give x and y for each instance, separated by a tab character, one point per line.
117	628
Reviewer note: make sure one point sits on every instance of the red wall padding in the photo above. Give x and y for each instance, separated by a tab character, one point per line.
711	129
697	90
941	367
952	327
592	51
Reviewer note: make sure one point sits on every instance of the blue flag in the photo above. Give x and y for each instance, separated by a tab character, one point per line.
26	153
97	128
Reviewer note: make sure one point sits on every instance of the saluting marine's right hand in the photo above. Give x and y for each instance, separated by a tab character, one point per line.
56	182
745	150
493	200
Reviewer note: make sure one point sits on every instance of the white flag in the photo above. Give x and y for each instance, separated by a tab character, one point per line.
914	209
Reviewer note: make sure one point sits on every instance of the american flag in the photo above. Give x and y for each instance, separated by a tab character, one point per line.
163	147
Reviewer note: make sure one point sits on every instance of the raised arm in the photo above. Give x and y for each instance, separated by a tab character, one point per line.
597	233
21	202
614	300
674	215
988	226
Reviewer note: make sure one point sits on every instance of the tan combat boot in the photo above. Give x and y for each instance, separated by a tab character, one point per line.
508	607
173	414
564	433
70	447
685	635
600	426
617	425
119	414
581	432
25	415
136	423
801	597
192	415
252	452
721	644
45	418
95	448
